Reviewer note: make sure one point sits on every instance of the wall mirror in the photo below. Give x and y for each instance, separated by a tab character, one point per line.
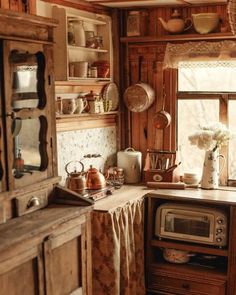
27	72
29	145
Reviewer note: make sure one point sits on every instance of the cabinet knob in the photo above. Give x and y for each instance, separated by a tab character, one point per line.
33	202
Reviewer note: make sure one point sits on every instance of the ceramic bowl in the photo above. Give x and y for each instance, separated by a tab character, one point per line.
176	256
191	178
205	23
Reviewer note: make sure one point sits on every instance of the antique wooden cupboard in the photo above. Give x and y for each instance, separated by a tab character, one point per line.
34	246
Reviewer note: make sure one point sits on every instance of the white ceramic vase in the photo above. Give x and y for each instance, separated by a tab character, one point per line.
211	169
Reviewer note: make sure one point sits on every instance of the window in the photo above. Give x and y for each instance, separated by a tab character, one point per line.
206	93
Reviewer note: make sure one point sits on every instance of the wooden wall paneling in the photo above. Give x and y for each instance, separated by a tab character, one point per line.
4	4
159	100
152	73
135	117
116	30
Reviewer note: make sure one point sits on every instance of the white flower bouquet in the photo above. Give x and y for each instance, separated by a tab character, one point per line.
211	137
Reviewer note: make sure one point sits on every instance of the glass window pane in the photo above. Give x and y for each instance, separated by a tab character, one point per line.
232	143
206	77
191	114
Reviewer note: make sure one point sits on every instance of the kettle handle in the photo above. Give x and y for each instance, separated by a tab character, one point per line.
82	166
130	149
189	25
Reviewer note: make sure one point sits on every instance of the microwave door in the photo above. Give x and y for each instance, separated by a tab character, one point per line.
187	227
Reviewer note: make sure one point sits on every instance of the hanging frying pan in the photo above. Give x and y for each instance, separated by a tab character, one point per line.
140	96
162	119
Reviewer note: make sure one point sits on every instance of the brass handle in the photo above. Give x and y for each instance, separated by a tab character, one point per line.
33	202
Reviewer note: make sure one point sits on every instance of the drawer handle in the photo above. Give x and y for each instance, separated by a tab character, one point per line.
33	202
185	286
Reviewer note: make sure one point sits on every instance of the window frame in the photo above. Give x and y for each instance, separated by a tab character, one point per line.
223	98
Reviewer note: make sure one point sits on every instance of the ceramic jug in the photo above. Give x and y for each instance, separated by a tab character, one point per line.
211	170
81	105
176	25
79	34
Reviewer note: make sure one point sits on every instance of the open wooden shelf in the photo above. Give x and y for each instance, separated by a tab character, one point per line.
189	269
192	248
85	121
181	37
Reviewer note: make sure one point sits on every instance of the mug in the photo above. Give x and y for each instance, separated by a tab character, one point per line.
69	105
81	104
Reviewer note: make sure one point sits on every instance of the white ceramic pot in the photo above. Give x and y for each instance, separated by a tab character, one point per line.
131	162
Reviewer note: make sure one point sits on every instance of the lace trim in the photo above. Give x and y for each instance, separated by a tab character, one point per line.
208	64
202	51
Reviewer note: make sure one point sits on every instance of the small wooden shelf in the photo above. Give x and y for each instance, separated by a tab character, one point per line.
182	37
183	246
86	19
85	121
77	79
87	49
188	269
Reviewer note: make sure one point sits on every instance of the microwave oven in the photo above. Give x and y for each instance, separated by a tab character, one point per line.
190	223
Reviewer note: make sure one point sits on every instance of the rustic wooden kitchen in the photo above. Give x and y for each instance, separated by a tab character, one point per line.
117	147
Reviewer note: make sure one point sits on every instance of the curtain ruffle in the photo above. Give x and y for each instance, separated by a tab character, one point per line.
118	250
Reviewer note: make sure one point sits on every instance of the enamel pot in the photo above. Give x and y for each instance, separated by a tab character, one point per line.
139	97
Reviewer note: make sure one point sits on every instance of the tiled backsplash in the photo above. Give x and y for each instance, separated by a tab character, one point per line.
73	145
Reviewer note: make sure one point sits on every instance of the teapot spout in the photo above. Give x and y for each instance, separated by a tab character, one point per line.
164	24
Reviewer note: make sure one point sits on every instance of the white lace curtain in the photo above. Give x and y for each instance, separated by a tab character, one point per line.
224	52
232	15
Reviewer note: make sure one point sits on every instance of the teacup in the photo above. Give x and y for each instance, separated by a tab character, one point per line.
81	105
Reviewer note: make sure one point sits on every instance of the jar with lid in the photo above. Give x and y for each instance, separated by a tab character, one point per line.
70	33
93	72
98	42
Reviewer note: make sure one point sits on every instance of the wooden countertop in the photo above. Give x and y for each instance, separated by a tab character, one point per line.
37	225
223	195
127	193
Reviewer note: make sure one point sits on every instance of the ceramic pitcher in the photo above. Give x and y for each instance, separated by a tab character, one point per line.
211	169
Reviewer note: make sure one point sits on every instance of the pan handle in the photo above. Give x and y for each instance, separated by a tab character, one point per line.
140	60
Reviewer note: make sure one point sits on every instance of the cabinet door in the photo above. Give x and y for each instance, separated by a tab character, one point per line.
22	273
27	93
65	260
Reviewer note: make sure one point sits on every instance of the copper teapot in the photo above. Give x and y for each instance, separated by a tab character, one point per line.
95	179
76	180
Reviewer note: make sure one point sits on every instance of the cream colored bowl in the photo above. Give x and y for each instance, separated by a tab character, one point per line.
205	23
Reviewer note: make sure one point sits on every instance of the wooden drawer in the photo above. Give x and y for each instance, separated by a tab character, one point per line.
190	286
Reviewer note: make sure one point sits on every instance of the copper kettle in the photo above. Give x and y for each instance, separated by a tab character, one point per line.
95	179
76	180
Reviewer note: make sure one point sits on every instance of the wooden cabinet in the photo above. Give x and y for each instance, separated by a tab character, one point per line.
47	252
73	59
28	132
43	251
211	268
